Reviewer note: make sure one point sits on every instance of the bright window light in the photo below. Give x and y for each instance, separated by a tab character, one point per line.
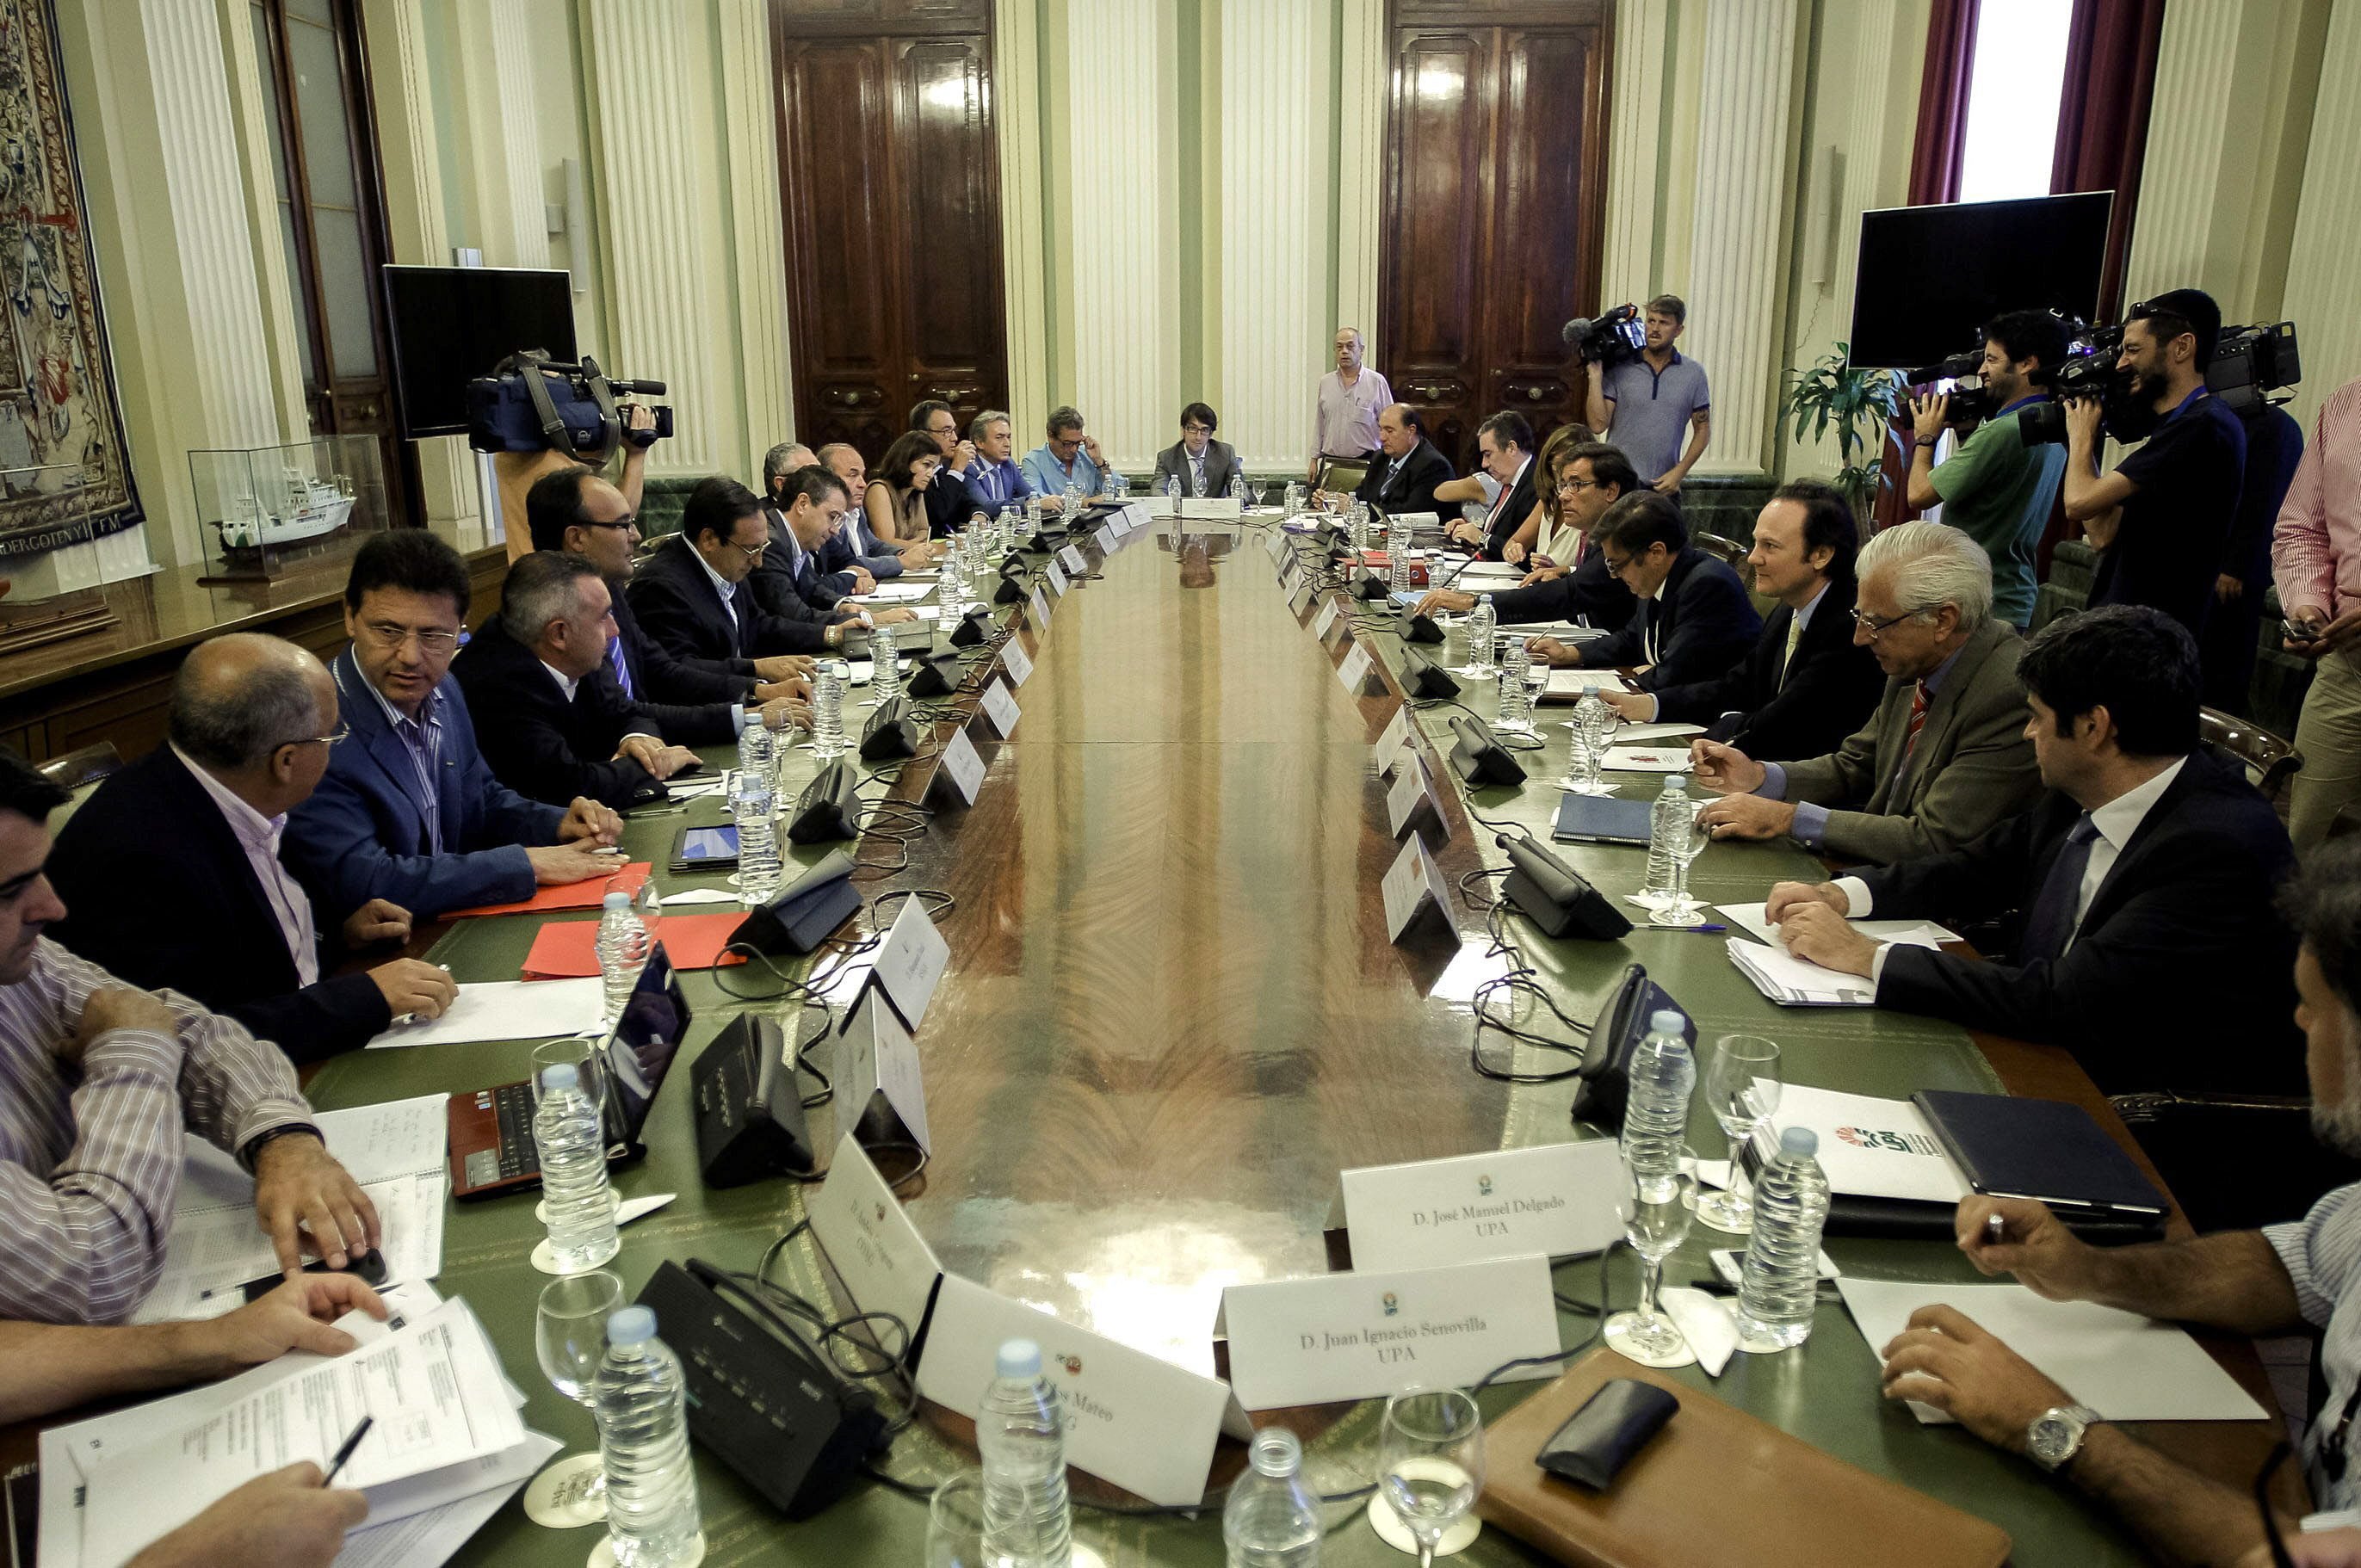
2013	99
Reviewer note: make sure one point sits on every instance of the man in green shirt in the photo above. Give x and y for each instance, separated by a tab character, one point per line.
1993	487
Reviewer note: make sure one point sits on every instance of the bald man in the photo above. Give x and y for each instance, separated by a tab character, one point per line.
170	872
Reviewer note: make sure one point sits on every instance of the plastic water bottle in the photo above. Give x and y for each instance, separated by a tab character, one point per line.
622	945
755	743
1516	716
828	709
639	1398
1293	497
1238	490
1398	554
1657	1108
1026	1521
649	904
1668	822
1172	491
1778	1287
1272	1520
573	1149
758	837
1114	486
885	672
1482	621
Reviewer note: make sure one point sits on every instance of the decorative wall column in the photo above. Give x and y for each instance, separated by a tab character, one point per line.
1024	224
1274	264
758	248
1738	248
1364	76
501	154
1636	109
2324	263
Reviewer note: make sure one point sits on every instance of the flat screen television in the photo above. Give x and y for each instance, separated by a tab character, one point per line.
1929	277
451	325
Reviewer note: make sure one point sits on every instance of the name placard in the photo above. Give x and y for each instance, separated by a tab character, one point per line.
1408	797
1131	1418
868	1238
877	1056
1057	580
1157	504
1076	563
1040	614
1000	708
1210	506
1412	887
1364	1335
1354	671
1274	543
910	962
1134	517
1016	661
1393	743
1299	596
1558	1199
1325	622
1106	536
963	766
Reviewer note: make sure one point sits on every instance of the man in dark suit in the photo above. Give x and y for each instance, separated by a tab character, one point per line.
207	907
809	510
1403	478
1504	443
408	812
691	596
2147	941
1590	478
1203	465
696	702
550	719
1693	620
1806	685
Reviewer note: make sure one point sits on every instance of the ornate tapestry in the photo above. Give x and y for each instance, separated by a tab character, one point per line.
57	384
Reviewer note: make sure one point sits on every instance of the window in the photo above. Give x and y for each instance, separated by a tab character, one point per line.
2019	72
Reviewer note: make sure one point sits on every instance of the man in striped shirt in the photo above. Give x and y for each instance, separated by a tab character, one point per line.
98	1081
2299	1277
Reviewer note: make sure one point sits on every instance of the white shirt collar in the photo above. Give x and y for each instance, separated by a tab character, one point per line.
1803	616
566	682
2120	817
721	585
250	825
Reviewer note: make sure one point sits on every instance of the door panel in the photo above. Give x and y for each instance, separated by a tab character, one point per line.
1432	332
836	101
1545	233
952	317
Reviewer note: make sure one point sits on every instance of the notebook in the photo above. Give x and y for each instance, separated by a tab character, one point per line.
2047	1150
1602	820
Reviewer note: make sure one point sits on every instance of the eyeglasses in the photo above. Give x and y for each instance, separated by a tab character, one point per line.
622	524
342	730
1196	430
754	554
942	430
1576	486
1615	569
1876	624
390	638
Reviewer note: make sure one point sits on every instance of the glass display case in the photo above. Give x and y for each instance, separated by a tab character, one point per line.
265	507
51	592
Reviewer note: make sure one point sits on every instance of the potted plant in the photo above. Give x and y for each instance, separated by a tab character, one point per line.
1861	404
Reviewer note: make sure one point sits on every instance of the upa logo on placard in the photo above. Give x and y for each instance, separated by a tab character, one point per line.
1899	1142
1483	1187
1392	1305
1072	1363
880	1213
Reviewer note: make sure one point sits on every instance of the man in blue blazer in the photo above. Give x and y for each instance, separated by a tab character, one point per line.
407	810
1692	621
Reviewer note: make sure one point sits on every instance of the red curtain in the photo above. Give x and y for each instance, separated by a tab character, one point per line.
2111	48
1943	102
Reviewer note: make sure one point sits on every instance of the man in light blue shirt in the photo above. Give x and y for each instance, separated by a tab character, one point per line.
1067	458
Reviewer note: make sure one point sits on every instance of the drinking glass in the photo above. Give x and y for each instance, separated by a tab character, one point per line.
955	1522
1430	1462
1685	847
1653	1205
1741	1087
569	1336
588	1057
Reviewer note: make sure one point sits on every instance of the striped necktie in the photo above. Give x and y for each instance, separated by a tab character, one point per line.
615	661
1917	719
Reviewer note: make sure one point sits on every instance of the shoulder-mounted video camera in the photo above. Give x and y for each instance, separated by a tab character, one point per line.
529	403
1608	339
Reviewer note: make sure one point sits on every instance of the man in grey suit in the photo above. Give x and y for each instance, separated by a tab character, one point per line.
1203	465
1944	757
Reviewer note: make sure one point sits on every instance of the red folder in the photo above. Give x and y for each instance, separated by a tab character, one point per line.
568	950
588	894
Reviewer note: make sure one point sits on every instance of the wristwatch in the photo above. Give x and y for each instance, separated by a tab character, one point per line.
2055	1435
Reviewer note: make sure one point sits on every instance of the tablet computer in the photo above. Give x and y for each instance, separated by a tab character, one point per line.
705	849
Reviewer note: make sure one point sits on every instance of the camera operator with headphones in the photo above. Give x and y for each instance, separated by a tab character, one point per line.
2161	518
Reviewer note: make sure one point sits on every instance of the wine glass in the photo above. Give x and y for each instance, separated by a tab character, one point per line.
1652	1198
1430	1462
1683	910
1741	1087
569	1337
955	1522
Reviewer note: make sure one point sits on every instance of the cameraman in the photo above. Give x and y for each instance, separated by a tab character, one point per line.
2162	518
1642	405
515	471
1993	487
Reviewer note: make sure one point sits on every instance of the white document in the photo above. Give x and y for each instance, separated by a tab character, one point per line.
876	1054
1362	1336
693	896
2126	1367
1132	1418
1636	733
1869	1147
1574	683
894	592
1912	933
423	1541
910	962
395	1137
508	1009
1791	982
870	1240
1558	1199
1647	759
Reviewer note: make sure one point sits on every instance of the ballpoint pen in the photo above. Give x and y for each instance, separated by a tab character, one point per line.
345	1452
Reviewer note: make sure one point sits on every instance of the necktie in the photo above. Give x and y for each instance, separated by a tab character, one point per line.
1197	470
615	661
1917	719
2049	925
1786	660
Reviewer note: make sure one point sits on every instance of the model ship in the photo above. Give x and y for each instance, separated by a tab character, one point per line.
308	509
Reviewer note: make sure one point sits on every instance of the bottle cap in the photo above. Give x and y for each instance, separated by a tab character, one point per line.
1276	1453
559	1075
1664	1021
631	1325
1019	1358
1799	1142
618	901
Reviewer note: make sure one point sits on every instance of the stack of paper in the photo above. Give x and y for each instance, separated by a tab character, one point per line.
1566	686
1791	982
1673	759
896	592
438	1459
509	1010
1756	918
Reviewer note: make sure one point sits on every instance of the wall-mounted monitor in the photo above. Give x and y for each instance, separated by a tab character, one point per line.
451	325
1929	277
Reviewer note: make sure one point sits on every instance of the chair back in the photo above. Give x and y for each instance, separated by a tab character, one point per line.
88	766
2270	760
1729	552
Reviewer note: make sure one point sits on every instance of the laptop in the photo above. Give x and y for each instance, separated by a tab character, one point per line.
491	1130
1342	475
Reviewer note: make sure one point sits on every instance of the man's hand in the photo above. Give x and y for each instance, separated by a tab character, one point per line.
558	865
1787	896
961	455
1512	553
1670	485
379	920
2327	1548
1053	503
917	556
1091	445
2327	635
1820	934
284	1520
794	689
862	583
1637	707
298	1181
589	822
788	713
416	987
1553	653
1930	415
784	667
1724	769
1465	532
2083	422
118	1007
1439	601
660	760
1544	571
1747	817
2227	587
894	617
2045	1257
1943	1359
298	1315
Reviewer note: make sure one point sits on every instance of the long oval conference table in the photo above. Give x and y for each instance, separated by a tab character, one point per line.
1172	1013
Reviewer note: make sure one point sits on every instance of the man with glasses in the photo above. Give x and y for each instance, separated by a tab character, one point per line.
948	504
691	595
856	543
1069	457
1203	465
994	479
1504	446
208	908
408	811
1591	478
1692	621
1945	756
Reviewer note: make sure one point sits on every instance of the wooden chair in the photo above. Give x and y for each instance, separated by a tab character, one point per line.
1727	551
2270	760
86	766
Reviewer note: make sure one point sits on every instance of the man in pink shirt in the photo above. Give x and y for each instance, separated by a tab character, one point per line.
1344	413
2316	561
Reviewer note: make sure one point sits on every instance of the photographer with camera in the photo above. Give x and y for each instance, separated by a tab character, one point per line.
535	428
1993	487
2162	518
2316	559
1641	404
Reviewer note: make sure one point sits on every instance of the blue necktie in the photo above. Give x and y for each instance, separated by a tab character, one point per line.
622	671
2050	924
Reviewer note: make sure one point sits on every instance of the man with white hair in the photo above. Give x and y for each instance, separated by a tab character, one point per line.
1944	757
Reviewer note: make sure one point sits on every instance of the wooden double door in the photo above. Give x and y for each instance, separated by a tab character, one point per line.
1495	204
889	179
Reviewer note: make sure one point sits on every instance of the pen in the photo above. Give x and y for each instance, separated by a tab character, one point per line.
1707	929
1995	1230
345	1452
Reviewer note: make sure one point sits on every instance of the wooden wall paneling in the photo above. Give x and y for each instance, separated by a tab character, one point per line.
953	324
1439	193
1545	239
